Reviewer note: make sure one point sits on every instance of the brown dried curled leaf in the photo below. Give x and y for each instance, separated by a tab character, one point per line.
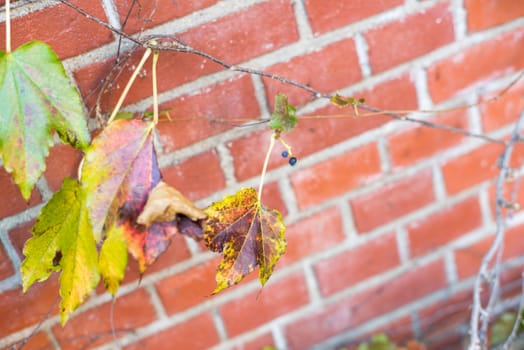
165	203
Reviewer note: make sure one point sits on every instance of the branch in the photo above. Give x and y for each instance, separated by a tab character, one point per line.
516	325
479	313
171	43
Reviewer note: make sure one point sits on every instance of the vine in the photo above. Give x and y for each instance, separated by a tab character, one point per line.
120	205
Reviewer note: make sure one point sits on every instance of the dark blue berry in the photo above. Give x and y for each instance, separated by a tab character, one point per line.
292	161
285	154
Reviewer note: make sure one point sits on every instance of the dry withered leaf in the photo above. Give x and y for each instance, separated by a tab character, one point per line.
165	203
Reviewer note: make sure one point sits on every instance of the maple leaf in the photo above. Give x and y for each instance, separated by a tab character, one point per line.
120	170
165	203
248	235
113	259
63	240
284	116
120	163
36	96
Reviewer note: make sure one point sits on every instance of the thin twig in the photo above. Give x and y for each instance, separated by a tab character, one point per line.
432	125
147	53
100	22
171	43
479	313
24	341
112	323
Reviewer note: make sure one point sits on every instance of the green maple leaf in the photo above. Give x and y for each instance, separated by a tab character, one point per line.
63	240
284	116
36	97
247	233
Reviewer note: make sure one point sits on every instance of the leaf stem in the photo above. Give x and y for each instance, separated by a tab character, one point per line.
266	162
8	26
155	88
129	83
285	144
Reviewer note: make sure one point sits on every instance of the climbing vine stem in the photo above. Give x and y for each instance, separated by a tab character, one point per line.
129	83
274	135
156	54
8	26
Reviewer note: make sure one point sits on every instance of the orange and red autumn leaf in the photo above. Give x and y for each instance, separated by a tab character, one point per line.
127	208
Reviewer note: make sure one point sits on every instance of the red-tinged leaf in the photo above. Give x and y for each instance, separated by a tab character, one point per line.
190	228
247	233
120	170
147	244
119	164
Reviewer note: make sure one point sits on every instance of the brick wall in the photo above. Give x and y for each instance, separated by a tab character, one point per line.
387	221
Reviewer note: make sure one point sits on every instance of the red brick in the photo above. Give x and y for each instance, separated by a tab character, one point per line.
488	13
93	328
19	236
28	309
260	343
410	146
476	64
396	93
392	201
196	177
446	314
234	39
38	341
468	259
313	234
325	70
335	176
63	161
325	18
246	34
272	198
213	110
357	310
152	13
16	202
260	307
312	135
194	334
472	168
189	288
356	265
68	33
440	228
414	36
504	110
6	266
